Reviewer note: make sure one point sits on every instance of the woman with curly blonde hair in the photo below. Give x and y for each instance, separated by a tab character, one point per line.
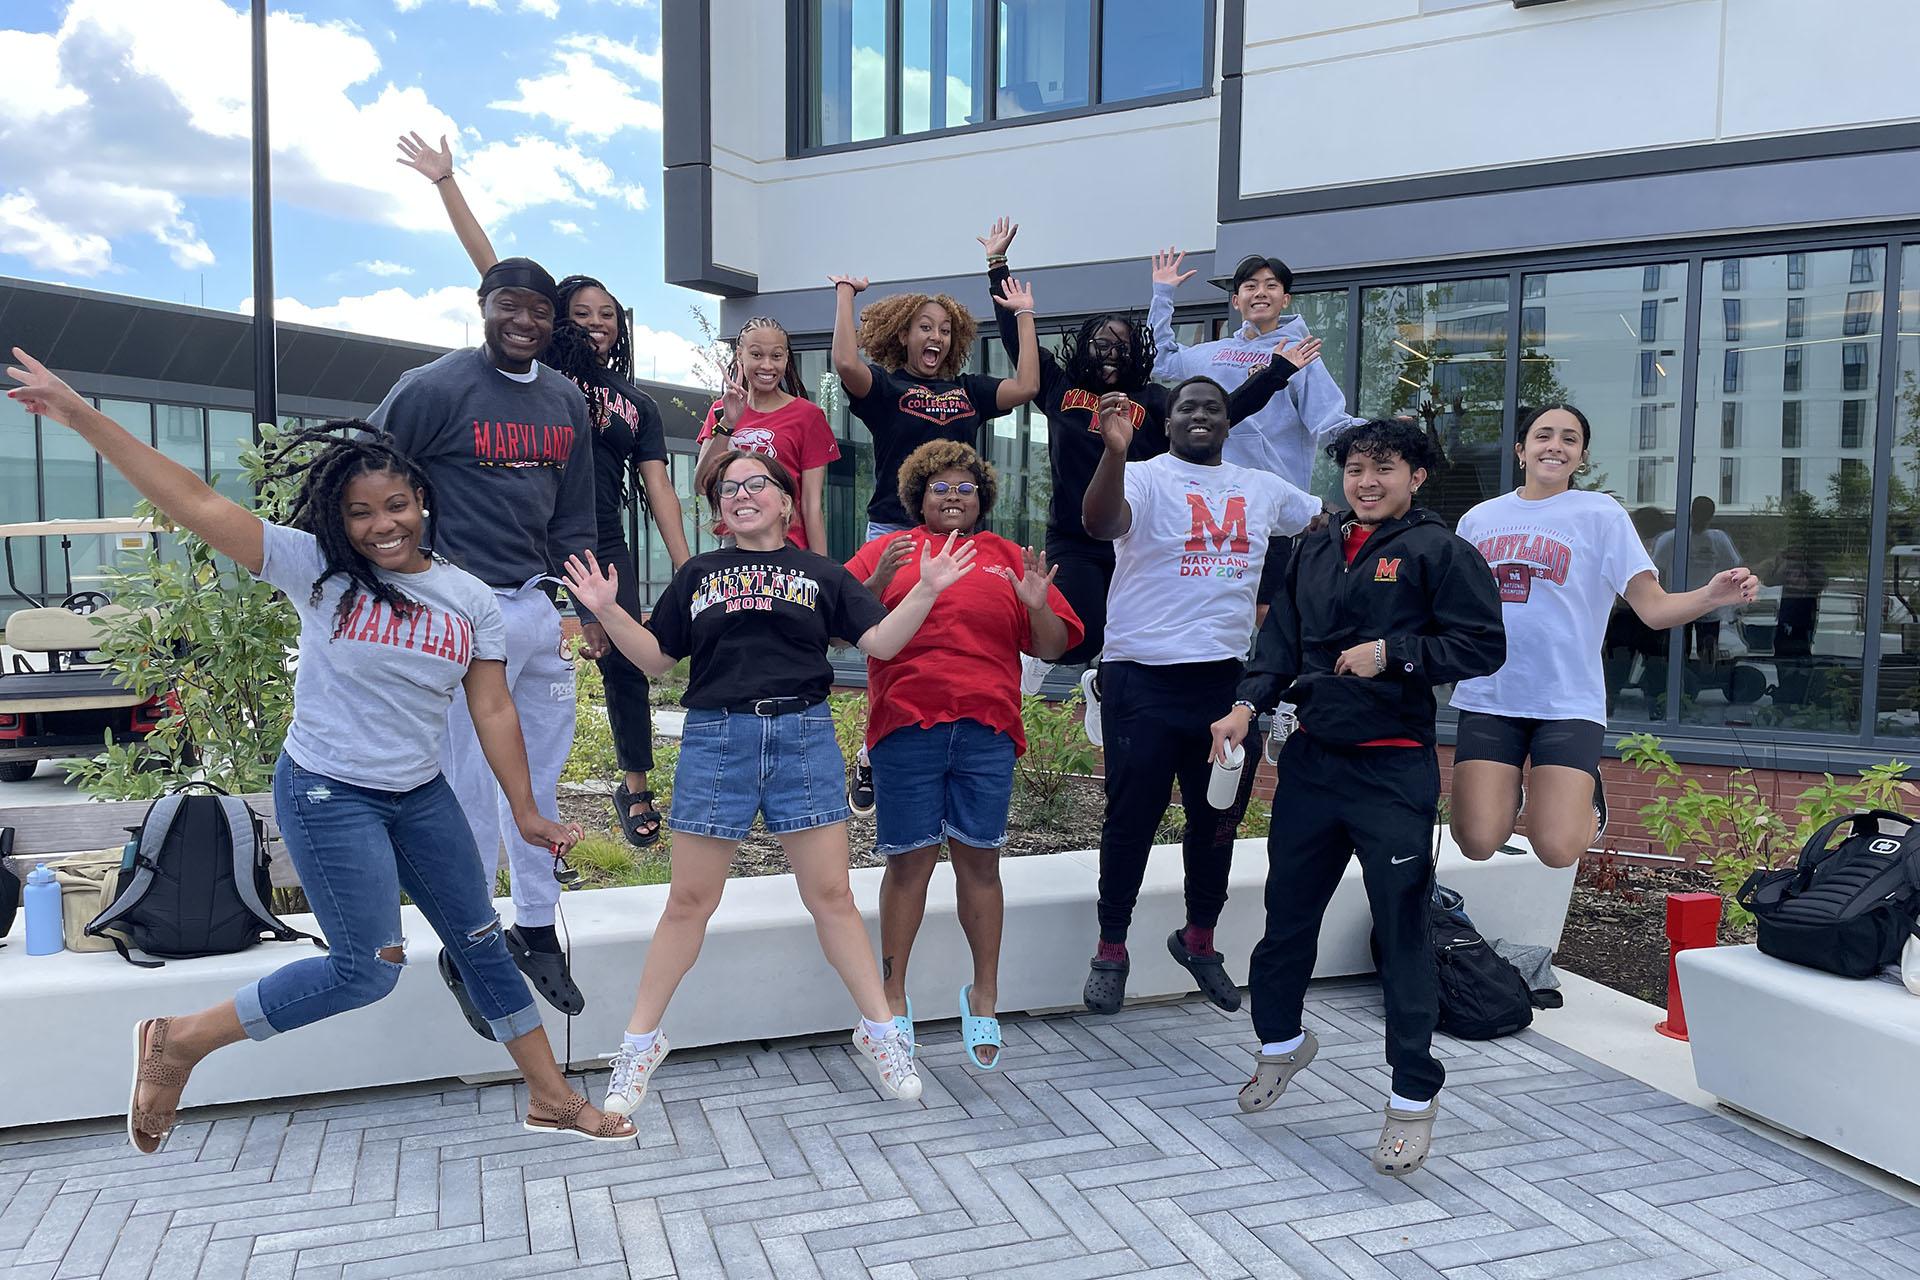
945	728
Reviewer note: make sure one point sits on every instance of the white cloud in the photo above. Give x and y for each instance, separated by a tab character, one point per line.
665	356
134	106
565	227
545	8
381	267
590	92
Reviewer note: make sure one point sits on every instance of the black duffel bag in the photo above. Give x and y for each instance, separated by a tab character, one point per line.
1849	904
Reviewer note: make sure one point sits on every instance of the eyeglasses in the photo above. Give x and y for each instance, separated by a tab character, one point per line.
963	488
1108	347
752	484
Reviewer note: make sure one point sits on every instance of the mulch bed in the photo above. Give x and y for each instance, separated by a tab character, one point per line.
1616	930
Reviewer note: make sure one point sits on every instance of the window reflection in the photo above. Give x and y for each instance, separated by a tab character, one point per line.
1898	713
1150	47
1793	658
1044	56
1325	315
847	70
936	65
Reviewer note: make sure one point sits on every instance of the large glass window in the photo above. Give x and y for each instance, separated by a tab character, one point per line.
137	417
1325	314
1793	658
229	434
1898	713
20	492
881	68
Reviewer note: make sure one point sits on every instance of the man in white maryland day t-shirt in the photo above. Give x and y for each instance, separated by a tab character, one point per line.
1190	535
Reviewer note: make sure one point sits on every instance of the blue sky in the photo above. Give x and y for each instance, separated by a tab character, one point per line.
125	129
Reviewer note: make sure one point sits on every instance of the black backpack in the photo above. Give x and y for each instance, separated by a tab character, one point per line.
1482	996
197	884
9	885
1846	908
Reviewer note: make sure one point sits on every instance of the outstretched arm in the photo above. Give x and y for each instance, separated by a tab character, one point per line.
597	588
1169	361
176	492
852	370
1104	508
437	167
1661	609
1024	385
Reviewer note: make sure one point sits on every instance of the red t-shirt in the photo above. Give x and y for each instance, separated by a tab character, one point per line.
964	661
1355	539
796	434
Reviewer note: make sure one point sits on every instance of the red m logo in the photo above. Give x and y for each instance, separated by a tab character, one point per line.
1228	534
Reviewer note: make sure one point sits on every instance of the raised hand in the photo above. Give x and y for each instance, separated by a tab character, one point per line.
1166	267
733	395
1015	296
938	572
591	584
1730	586
1115	416
41	390
434	165
1300	354
897	553
998	237
1033	584
856	283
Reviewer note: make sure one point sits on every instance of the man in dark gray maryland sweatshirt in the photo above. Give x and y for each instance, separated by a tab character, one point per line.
507	445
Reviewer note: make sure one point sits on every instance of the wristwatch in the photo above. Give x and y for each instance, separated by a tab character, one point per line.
720	427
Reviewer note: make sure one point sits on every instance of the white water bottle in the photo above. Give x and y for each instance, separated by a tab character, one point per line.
1223	787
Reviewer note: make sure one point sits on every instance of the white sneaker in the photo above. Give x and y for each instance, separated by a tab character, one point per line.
631	1070
1033	673
1090	690
892	1060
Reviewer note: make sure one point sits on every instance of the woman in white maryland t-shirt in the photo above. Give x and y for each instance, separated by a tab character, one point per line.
1559	556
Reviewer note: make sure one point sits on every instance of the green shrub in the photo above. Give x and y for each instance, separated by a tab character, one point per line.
849	722
1057	752
1737	830
593	758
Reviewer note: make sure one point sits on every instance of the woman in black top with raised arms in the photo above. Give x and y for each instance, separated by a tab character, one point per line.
593	346
1109	352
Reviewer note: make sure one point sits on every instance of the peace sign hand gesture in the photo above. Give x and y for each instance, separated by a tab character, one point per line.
1166	267
1038	578
43	392
733	395
435	166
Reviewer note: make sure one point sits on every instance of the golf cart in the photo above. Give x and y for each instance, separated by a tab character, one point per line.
56	698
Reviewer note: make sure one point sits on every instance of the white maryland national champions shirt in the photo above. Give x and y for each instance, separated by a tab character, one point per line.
1559	562
1187	569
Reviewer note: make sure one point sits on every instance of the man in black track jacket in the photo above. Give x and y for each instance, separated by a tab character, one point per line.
1373	612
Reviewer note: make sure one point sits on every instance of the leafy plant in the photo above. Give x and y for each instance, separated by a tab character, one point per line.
849	722
218	641
1737	830
593	758
1057	752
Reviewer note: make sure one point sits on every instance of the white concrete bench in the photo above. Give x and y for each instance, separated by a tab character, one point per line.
1820	1056
68	1018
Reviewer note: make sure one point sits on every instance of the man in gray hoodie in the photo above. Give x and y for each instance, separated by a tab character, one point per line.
1282	437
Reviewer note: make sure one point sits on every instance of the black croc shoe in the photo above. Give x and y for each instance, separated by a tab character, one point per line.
547	971
1209	969
450	974
1106	987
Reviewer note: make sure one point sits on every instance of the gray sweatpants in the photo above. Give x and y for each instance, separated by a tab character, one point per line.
542	685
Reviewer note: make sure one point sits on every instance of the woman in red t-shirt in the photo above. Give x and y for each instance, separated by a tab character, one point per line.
943	725
765	410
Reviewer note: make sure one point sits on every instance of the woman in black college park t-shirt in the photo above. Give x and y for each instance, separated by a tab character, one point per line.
914	391
756	620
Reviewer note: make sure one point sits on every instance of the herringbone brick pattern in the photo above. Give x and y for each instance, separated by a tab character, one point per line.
1107	1147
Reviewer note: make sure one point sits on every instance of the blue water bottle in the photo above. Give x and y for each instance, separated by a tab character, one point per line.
41	898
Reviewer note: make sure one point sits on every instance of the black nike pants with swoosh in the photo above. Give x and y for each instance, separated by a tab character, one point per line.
1378	804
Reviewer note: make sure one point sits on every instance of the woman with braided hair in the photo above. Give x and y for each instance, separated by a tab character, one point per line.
593	346
387	633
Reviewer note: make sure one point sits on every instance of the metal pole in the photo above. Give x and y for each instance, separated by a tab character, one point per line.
265	389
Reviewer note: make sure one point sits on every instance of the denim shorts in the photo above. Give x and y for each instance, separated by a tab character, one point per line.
877	530
734	764
951	782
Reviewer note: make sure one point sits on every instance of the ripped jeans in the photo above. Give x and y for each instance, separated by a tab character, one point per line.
355	850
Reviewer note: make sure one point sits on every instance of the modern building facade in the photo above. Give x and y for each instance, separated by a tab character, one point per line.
1698	220
182	378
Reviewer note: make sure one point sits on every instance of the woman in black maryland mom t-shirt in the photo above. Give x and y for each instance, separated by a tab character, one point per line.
756	619
914	391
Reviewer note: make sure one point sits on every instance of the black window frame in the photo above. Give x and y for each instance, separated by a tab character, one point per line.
1793	424
1860	269
985	62
1796	317
1856	366
1855	419
1793	369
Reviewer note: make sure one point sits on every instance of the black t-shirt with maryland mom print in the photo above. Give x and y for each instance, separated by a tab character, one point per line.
757	624
904	413
511	464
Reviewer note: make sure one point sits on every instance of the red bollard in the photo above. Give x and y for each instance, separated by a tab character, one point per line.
1693	920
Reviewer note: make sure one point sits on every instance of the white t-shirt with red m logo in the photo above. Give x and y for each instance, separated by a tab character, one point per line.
1187	570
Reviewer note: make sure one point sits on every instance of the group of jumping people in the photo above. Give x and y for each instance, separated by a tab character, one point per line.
424	547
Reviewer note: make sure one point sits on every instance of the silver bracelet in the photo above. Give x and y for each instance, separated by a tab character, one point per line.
1024	311
1379	656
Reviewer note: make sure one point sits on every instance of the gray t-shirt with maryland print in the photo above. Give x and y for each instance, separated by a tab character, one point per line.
371	689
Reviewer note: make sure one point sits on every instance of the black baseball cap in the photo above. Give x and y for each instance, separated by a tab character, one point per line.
1252	263
520	273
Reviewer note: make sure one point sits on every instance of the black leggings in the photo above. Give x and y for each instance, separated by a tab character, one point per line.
1086	572
629	705
1157	723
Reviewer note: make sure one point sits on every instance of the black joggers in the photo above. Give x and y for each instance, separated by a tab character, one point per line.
1379	804
1157	722
629	708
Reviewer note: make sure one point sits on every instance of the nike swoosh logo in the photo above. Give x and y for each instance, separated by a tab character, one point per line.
1409	858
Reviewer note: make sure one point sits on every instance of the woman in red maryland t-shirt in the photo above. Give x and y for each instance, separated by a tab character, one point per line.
943	724
765	410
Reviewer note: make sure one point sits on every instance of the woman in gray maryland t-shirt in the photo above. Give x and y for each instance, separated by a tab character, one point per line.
387	634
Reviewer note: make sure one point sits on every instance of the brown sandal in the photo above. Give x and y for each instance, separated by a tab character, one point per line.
611	1128
148	1130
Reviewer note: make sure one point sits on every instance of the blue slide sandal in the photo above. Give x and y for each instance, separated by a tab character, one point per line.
979	1033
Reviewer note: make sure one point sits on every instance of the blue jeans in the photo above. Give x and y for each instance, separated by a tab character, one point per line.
355	850
734	764
953	781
